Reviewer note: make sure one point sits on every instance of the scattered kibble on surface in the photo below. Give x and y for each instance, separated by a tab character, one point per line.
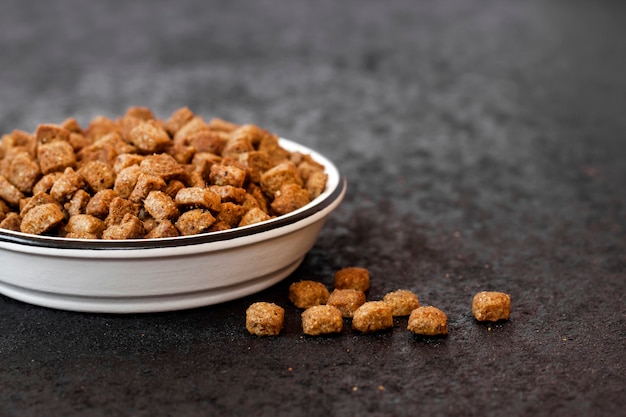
491	306
402	302
325	312
352	277
265	319
372	316
428	321
347	300
305	294
322	319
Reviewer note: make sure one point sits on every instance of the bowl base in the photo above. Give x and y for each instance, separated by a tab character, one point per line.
147	304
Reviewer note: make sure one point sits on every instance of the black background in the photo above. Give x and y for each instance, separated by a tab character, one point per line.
484	145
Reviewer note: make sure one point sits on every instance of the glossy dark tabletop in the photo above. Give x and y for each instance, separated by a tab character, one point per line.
484	145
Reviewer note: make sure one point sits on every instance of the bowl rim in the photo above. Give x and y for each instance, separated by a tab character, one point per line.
335	190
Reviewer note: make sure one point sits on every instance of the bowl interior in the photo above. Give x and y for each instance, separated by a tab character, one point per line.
334	189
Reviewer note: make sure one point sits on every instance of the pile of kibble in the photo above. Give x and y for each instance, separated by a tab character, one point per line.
324	312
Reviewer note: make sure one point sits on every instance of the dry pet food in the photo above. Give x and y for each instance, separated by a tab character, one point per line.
428	321
141	177
265	319
352	277
347	301
321	319
491	306
372	316
402	302
305	294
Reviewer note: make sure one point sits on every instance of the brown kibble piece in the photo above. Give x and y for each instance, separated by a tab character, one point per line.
353	277
146	183
265	319
125	160
256	163
428	321
347	300
46	182
195	124
149	137
100	126
161	206
162	165
274	178
234	147
64	188
305	294
143	113
173	187
78	203
321	319
9	192
105	149
252	216
316	183
24	171
372	316
36	200
164	228
48	133
491	306
4	209
55	156
42	218
255	198
194	221
229	193
222	125
71	124
230	214
271	144
118	209
130	228
178	119
227	175
402	302
98	205
126	180
196	197
290	197
98	175
12	221
85	225
207	141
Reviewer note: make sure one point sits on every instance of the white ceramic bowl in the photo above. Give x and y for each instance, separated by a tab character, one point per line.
137	276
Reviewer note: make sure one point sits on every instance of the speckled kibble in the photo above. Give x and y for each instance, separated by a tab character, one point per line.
265	319
428	321
491	306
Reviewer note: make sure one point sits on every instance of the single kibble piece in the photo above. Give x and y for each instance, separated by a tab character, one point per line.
428	321
353	277
42	218
347	301
305	294
491	306
289	198
252	216
321	319
402	302
265	319
372	317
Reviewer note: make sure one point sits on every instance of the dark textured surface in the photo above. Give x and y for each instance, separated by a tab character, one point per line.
484	144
